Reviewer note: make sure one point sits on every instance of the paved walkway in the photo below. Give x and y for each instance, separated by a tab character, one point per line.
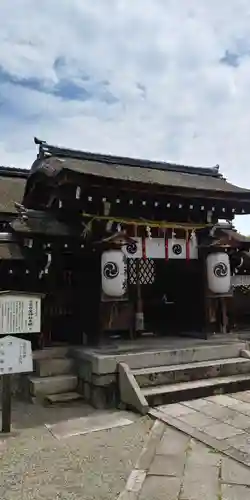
189	453
222	422
54	455
177	467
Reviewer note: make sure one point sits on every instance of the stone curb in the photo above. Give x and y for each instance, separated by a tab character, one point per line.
138	474
216	444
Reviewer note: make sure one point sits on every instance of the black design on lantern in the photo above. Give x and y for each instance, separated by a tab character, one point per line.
220	270
177	249
110	270
131	247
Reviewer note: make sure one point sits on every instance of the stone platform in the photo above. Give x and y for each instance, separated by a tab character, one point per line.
97	368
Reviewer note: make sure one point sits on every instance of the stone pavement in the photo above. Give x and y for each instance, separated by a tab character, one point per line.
197	450
222	422
174	466
47	457
188	455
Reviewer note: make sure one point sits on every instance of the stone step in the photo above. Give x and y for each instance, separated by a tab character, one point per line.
182	391
53	366
51	352
105	361
63	397
44	386
161	375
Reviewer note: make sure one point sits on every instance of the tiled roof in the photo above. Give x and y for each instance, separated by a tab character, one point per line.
141	175
10	251
234	235
42	224
46	150
11	191
52	160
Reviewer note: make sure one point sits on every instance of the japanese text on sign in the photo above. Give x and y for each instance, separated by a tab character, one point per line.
15	355
19	314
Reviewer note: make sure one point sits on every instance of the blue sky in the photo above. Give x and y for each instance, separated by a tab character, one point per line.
158	79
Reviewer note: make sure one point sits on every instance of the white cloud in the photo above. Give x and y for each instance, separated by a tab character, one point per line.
159	59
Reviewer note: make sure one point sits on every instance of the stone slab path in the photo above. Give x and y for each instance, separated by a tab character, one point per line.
196	450
222	422
174	466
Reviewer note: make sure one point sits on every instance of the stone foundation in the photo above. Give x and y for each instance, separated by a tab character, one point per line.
97	368
101	391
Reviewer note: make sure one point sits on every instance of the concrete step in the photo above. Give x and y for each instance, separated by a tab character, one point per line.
194	389
43	386
53	366
161	375
105	361
63	397
51	352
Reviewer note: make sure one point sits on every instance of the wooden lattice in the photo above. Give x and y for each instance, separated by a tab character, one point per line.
244	289
146	268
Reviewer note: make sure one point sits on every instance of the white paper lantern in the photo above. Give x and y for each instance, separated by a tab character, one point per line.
114	273
218	273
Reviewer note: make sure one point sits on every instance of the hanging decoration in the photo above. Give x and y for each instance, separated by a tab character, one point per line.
173	235
192	235
106	207
148	247
133	249
148	231
114	273
145	223
193	245
87	228
177	248
45	270
161	248
109	226
78	193
49	260
218	273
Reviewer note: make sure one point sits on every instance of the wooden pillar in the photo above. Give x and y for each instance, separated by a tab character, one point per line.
92	307
139	314
210	305
207	305
224	316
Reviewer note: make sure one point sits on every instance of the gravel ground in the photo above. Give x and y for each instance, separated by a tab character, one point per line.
34	465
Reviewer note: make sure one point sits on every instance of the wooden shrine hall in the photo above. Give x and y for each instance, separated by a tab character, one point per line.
124	248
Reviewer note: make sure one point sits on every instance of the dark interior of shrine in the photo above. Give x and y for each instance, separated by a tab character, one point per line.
174	302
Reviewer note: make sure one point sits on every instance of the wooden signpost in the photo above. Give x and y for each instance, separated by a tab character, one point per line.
20	313
15	357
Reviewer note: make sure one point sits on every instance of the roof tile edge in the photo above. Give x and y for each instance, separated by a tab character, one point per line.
48	150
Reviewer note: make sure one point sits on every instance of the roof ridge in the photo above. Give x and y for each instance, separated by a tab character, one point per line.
13	171
46	150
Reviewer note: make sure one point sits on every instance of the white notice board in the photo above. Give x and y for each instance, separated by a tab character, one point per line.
19	314
15	355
